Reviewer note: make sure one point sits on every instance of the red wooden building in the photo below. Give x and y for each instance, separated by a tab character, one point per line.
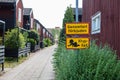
39	29
28	18
37	26
79	14
11	11
43	32
104	19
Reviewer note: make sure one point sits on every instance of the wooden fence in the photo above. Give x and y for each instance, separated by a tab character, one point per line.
9	52
2	50
24	51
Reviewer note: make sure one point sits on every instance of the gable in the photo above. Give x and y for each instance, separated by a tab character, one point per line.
8	1
27	11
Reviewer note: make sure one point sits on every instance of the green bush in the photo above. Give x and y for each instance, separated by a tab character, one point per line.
25	34
12	40
47	42
95	63
34	35
32	41
1	40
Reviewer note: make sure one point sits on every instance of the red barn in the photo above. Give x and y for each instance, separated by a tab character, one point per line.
11	11
104	19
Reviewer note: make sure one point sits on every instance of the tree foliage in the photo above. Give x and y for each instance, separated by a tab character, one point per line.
68	17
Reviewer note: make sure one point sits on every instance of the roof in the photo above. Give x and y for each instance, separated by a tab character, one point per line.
27	11
8	1
79	11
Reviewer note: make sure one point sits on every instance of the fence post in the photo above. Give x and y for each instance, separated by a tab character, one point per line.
2	66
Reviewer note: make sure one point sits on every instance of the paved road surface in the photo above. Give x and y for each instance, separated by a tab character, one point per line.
38	67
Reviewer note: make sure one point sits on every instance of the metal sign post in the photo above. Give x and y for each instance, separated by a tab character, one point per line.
77	35
76	11
77	18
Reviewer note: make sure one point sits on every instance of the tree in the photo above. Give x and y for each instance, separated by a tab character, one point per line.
68	17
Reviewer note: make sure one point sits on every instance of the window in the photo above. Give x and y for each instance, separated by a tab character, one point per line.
43	31
19	15
38	27
32	22
96	23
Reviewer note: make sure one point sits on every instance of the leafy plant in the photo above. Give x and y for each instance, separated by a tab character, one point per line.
68	17
94	63
47	42
14	39
25	34
32	41
1	41
34	35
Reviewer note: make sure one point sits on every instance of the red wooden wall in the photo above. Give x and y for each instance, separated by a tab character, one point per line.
19	5
110	20
7	14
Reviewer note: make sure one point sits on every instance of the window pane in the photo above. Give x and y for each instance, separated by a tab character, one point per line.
96	23
19	15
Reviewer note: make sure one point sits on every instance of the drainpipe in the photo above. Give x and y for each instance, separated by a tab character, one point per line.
14	14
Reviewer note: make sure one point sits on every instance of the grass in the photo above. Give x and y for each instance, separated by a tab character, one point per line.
12	62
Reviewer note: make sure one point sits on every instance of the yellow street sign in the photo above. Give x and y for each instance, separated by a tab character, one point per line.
77	43
77	28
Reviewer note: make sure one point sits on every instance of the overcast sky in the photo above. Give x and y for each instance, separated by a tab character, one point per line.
49	12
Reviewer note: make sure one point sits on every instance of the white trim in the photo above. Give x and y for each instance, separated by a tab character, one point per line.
38	26
96	23
19	14
44	31
2	21
17	2
31	12
32	23
96	14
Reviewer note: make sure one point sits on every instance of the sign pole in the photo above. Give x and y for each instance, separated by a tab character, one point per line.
77	51
77	18
76	11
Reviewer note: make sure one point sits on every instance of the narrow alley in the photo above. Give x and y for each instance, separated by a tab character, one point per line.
37	67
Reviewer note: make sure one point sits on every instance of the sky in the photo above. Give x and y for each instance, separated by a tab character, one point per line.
50	13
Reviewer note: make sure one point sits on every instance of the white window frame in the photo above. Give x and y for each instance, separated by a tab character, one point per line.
19	14
32	22
43	31
96	23
38	26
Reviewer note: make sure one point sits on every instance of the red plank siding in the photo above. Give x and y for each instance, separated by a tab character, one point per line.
6	15
19	5
110	20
